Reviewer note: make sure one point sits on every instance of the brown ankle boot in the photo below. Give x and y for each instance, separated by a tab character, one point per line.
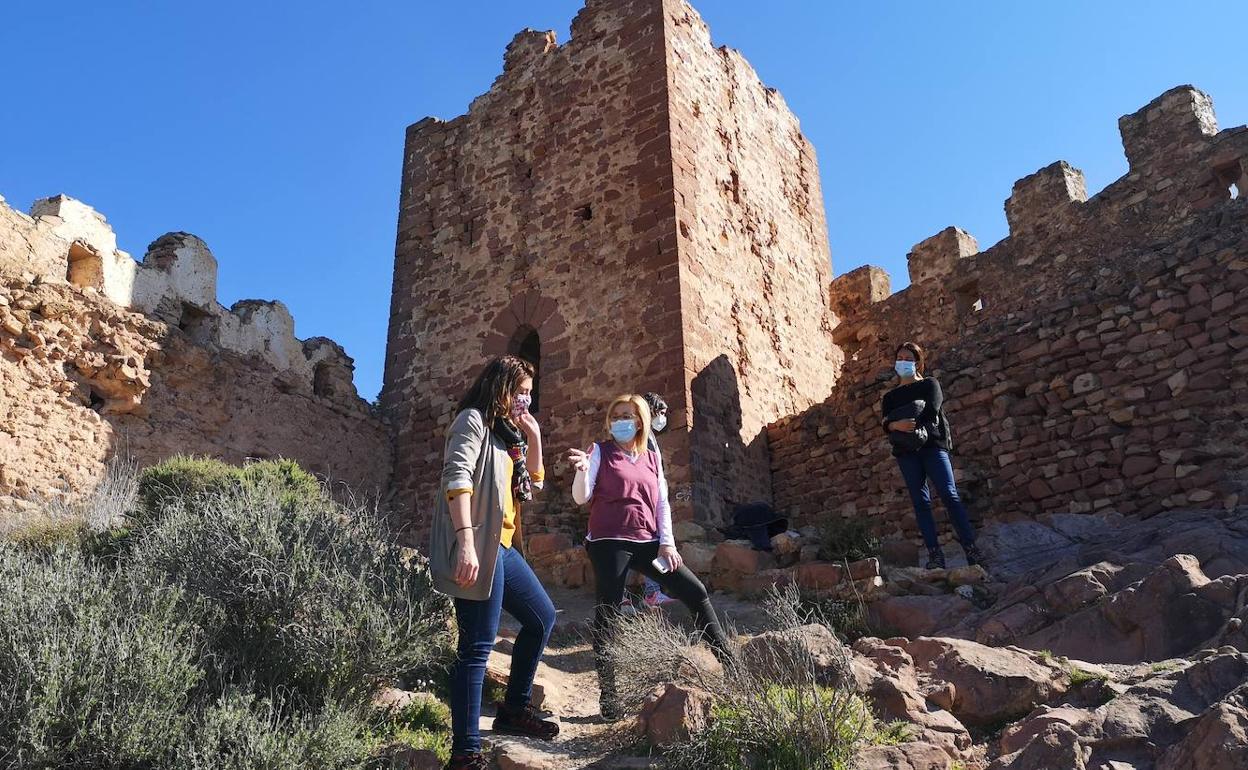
523	721
475	761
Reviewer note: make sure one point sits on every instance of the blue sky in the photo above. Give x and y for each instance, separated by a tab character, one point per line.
274	129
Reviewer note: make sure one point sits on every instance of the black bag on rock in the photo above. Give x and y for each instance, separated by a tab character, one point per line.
756	522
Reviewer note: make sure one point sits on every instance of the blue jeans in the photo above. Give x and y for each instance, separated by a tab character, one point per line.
932	463
517	590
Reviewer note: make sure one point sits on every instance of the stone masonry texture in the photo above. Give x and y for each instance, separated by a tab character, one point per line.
641	207
1091	360
634	210
84	380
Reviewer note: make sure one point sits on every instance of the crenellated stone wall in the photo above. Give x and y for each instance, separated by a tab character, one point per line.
1090	359
101	356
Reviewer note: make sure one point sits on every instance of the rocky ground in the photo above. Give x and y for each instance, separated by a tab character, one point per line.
1093	643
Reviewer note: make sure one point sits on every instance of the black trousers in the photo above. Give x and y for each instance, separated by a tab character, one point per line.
612	560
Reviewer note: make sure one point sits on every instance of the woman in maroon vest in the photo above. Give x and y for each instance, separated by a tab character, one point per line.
630	527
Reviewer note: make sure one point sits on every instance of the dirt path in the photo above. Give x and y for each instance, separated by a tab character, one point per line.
571	691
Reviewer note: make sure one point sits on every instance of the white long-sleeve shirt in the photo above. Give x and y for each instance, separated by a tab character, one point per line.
583	492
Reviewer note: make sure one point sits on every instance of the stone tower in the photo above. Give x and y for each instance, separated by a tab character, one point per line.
632	210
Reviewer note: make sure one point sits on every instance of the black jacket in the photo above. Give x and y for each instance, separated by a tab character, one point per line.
932	417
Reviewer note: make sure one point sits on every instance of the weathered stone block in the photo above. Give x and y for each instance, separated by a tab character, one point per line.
937	256
1044	196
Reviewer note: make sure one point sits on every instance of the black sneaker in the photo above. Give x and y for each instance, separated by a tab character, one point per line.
523	721
935	558
974	555
475	761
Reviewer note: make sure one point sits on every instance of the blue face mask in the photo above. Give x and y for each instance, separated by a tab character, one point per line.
904	368
623	430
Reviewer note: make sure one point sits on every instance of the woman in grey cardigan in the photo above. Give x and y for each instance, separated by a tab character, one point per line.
493	464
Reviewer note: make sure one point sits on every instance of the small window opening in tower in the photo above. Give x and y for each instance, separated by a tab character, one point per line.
1231	177
86	268
967	299
322	380
197	323
526	344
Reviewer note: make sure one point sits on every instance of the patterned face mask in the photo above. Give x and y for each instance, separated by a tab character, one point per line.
520	404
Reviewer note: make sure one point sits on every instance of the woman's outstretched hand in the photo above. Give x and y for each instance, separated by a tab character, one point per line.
579	459
672	555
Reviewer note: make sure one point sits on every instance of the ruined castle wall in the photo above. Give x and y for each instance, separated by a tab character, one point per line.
754	263
84	379
547	208
1088	359
29	245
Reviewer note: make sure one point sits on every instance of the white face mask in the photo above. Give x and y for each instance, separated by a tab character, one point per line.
660	423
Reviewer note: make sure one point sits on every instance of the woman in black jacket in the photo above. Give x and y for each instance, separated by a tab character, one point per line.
931	460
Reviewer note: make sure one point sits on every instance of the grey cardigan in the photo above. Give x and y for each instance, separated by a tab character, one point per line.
475	459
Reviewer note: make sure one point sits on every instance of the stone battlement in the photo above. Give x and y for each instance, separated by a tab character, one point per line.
1082	357
1180	164
176	282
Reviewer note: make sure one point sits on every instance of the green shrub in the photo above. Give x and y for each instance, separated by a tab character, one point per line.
116	643
195	481
47	534
295	488
243	732
310	600
789	728
425	723
98	670
181	481
848	540
846	618
420	714
772	706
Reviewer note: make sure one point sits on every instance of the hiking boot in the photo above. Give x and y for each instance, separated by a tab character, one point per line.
475	761
973	555
935	558
523	721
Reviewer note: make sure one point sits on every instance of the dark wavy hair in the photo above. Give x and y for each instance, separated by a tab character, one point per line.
495	386
920	358
655	401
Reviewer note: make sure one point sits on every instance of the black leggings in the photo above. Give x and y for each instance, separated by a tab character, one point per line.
612	559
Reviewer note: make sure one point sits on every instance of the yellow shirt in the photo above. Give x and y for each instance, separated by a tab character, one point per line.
511	509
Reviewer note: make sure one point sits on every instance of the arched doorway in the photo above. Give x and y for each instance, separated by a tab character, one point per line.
527	344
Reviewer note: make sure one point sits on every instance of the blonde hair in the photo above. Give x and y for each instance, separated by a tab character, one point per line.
642	439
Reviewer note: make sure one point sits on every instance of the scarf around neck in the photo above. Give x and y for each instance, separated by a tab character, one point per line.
517	449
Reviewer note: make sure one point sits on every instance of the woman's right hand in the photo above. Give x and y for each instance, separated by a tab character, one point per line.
906	426
467	567
579	459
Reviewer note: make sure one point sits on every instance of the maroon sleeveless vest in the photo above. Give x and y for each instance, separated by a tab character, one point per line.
626	496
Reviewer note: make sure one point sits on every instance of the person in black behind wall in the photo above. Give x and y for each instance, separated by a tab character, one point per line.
931	461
